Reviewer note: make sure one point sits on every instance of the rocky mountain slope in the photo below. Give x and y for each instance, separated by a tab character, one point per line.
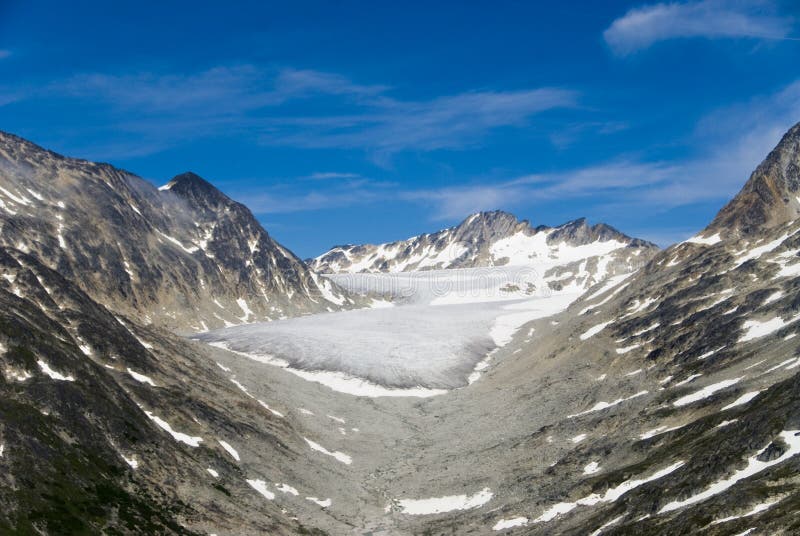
183	257
108	426
574	254
770	198
664	403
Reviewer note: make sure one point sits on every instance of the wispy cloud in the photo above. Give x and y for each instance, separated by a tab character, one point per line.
4	53
390	125
644	26
724	148
331	175
221	91
250	100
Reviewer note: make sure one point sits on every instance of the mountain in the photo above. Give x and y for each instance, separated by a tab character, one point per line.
771	197
573	254
183	257
664	403
689	418
108	426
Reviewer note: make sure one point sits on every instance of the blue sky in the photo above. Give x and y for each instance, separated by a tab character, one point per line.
350	122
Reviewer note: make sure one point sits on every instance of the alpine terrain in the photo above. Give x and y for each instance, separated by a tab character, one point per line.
167	368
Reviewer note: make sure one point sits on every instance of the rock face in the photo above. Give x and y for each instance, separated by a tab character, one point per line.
771	196
574	254
108	426
184	257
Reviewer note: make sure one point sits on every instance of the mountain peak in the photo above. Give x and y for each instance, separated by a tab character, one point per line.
198	191
770	197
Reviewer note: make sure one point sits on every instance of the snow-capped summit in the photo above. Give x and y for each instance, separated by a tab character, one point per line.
574	252
483	239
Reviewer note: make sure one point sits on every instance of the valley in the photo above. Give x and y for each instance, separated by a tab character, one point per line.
588	383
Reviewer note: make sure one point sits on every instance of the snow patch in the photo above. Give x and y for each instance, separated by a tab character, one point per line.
53	374
438	505
192	441
230	449
705	392
339	456
754	466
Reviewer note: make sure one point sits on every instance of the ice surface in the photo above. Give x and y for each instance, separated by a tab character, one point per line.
445	326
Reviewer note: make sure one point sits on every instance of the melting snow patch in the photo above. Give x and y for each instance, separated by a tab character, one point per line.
241	387
611	495
245	309
192	441
438	505
340	456
705	240
645	330
606	525
744	399
53	374
223	367
578	438
627	349
658	431
594	330
179	243
274	412
705	392
723	424
757	509
212	472
687	380
286	488
141	378
591	468
775	296
261	487
709	354
754	466
130	461
510	523
755	329
323	503
230	449
605	405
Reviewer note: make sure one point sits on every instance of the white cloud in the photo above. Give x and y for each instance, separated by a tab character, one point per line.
167	109
331	175
4	53
388	125
644	26
725	147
